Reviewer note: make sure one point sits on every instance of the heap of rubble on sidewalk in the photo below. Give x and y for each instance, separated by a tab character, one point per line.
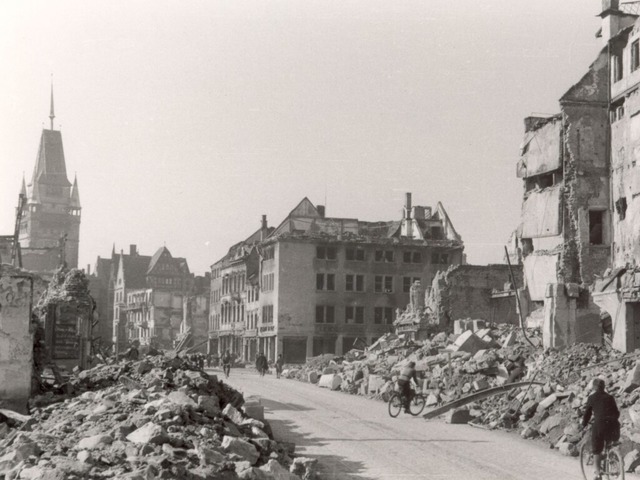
160	417
469	364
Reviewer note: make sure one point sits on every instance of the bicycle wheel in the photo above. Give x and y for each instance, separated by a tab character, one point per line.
613	465
395	405
417	404
586	461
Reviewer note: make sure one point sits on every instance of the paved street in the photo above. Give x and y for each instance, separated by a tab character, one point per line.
354	438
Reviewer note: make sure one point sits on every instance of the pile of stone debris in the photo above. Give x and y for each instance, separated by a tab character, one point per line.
463	369
159	417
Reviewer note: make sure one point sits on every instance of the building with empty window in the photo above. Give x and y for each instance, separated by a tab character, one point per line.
317	284
579	239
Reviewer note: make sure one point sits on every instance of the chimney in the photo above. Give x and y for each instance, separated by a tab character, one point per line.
88	269
407	216
407	206
263	228
133	249
320	209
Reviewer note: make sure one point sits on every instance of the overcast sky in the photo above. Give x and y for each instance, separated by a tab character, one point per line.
187	120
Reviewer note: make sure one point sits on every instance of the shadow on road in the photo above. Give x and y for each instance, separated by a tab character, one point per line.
273	405
404	440
330	467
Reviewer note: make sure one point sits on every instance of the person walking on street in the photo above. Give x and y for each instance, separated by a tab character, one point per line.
261	364
606	427
279	365
226	363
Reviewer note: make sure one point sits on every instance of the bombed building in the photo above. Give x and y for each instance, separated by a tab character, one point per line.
317	284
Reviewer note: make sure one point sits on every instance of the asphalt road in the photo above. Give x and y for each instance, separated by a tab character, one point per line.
354	438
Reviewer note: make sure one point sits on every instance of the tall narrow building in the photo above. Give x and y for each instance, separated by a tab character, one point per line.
50	224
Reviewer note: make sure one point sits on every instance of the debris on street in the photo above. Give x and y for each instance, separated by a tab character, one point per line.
160	417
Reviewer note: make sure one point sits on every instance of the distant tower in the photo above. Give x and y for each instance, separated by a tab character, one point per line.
50	227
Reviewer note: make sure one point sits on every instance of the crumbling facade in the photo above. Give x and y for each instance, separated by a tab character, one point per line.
564	233
618	293
479	292
50	216
316	285
16	337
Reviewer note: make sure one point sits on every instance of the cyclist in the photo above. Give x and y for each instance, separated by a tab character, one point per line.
407	374
226	363
606	426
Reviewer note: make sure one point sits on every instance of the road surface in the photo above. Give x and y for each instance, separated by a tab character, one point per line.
354	438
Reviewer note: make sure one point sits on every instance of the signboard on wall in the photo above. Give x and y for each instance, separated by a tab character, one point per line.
66	342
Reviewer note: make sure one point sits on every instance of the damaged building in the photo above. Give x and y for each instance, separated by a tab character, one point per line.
578	209
317	284
618	292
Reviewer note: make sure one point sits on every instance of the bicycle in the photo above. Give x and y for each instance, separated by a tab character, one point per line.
611	463
417	403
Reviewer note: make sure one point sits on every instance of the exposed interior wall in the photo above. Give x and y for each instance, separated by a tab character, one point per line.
464	291
16	340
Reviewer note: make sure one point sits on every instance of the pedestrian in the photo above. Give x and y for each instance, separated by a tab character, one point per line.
279	365
226	363
208	360
261	364
606	427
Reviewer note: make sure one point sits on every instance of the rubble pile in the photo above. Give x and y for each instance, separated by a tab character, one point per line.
548	408
452	365
155	418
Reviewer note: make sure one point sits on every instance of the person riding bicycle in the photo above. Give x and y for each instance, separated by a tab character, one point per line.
606	426
226	362
404	383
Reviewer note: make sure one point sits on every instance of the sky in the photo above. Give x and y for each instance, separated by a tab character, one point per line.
186	121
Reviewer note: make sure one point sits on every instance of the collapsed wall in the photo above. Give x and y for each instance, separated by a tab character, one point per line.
473	291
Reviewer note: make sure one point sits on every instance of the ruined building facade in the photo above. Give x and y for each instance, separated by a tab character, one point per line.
316	284
618	293
50	223
579	209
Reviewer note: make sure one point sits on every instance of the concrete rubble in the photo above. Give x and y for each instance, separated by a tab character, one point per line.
160	417
548	408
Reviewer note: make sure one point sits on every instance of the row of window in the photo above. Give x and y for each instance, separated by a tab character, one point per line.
354	315
617	62
357	254
356	283
233	283
268	282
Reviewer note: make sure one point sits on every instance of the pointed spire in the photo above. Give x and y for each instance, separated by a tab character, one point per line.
52	115
23	189
75	195
113	250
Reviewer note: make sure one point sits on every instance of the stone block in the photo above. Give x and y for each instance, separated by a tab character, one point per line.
312	377
478	325
233	414
181	398
480	384
241	448
633	379
93	442
568	449
148	433
510	340
547	402
375	383
331	381
209	456
467	342
459	326
458	416
254	411
277	471
210	404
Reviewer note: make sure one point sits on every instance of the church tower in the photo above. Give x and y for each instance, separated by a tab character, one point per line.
50	225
